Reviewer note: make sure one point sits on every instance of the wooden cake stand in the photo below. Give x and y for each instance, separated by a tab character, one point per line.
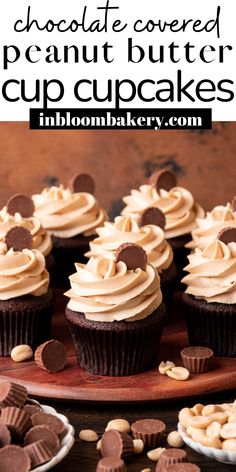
75	384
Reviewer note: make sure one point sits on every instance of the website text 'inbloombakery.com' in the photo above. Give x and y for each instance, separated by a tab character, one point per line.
152	119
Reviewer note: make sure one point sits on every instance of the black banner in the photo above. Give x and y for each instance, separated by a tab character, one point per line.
116	118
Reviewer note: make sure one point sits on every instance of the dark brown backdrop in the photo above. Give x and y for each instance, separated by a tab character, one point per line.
119	160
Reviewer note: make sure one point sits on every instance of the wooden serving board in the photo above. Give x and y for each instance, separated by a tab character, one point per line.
75	384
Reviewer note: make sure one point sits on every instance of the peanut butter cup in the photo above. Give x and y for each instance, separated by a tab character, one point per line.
117	444
149	430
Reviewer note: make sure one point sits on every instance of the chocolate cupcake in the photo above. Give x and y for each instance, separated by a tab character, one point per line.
146	231
177	204
208	228
19	211
25	301
71	216
210	298
115	312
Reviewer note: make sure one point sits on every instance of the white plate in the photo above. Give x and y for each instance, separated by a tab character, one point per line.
227	457
66	443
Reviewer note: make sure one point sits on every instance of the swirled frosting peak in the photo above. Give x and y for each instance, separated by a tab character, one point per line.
41	238
22	273
208	227
126	229
66	214
177	205
212	273
105	290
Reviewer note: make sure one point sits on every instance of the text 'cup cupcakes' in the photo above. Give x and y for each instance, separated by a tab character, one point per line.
146	231
70	214
25	299
115	312
210	297
176	203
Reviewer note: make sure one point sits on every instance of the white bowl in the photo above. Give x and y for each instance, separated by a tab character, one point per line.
227	457
65	445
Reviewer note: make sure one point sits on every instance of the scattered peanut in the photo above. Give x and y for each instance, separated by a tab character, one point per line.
88	435
174	439
164	366
121	425
154	454
99	445
21	353
178	373
138	446
146	470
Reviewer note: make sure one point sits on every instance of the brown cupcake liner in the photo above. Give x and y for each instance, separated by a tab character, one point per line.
39	453
119	348
13	395
17	421
24	324
171	457
212	325
197	364
111	464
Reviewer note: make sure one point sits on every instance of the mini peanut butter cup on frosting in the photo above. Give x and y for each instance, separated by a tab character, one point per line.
150	431
26	301
147	232
70	214
177	204
210	298
111	464
115	312
169	457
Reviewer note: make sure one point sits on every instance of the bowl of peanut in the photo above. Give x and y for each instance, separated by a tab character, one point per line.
210	430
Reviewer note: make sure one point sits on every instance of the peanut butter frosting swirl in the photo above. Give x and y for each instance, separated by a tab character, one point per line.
41	239
177	205
212	273
22	273
208	228
125	229
66	214
105	290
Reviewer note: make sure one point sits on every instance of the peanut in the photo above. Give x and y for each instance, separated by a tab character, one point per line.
196	434
178	373
211	442
154	454
119	424
184	416
174	439
164	366
219	416
21	353
138	446
99	445
229	445
232	418
146	470
213	431
201	422
88	435
228	431
197	409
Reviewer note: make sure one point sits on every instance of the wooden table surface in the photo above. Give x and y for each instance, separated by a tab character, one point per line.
84	457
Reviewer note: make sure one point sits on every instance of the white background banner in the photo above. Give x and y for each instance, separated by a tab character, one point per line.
176	53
